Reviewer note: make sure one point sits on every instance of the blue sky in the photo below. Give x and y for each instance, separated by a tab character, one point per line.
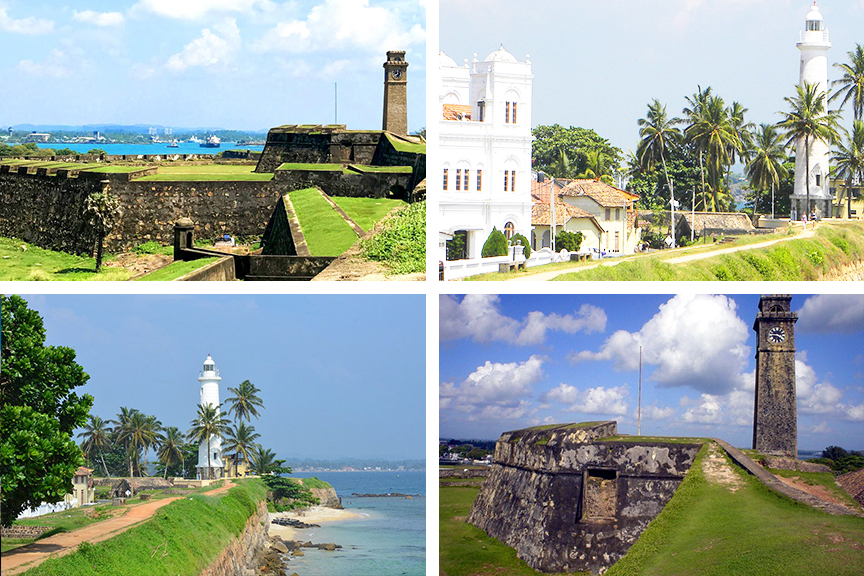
513	361
334	380
237	64
598	64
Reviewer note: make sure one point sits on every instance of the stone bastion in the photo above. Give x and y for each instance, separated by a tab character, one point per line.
575	497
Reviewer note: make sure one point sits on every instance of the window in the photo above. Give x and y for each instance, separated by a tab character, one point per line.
458	178
507	113
512	180
616	241
509	230
617	213
514	112
506	175
479	180
608	214
482	105
445	179
600	495
465	181
818	179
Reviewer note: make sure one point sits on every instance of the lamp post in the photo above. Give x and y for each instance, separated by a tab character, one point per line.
552	209
672	202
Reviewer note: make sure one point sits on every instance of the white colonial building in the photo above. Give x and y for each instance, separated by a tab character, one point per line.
813	44
485	147
209	379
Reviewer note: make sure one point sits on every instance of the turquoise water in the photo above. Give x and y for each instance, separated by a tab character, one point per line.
184	148
388	538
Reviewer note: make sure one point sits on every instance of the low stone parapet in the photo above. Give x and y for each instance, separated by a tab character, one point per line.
24	531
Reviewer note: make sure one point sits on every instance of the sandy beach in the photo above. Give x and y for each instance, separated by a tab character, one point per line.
311	515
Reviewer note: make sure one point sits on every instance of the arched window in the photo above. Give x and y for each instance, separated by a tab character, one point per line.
544	240
509	230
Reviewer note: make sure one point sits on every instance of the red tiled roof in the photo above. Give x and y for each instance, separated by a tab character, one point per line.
457	112
82	471
541	212
602	193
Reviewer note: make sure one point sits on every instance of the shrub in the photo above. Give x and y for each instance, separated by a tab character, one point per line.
151	247
519	238
401	245
495	245
570	241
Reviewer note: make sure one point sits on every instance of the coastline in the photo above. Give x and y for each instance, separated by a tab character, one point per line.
312	515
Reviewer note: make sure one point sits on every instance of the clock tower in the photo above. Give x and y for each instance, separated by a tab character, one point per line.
396	93
775	428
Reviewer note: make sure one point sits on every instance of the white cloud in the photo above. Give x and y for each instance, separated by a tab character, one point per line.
599	400
29	25
196	9
832	313
693	340
855	413
477	317
707	411
340	25
212	48
56	65
99	18
655	412
493	390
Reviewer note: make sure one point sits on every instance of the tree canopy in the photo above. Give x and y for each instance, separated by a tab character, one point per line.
38	412
573	152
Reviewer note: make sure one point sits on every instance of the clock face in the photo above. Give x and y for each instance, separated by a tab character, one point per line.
776	335
397	73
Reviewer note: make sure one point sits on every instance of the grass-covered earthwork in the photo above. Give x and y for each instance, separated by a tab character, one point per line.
401	245
366	211
208	172
177	269
326	232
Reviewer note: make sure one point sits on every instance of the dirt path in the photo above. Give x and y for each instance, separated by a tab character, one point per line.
814	490
26	557
718	471
546	276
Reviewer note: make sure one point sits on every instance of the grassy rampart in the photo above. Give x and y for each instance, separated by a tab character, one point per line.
180	539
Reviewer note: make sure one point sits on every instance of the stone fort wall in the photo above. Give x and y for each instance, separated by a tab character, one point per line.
566	500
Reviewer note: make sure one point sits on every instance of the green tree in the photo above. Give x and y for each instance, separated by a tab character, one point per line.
265	462
282	489
808	119
849	160
241	441
123	427
97	438
714	134
693	111
170	450
207	425
38	412
852	82
658	133
524	242
495	245
570	241
765	164
104	210
245	402
564	152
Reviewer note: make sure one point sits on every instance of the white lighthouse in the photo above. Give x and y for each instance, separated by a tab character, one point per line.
813	44
209	379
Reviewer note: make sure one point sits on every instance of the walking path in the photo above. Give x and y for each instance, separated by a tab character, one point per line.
545	276
26	557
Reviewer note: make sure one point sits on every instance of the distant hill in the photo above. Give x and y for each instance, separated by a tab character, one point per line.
132	128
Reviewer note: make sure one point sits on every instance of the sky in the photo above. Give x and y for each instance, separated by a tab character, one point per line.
234	64
513	361
599	64
338	378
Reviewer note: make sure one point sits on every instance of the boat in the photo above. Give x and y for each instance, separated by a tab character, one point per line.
211	142
173	144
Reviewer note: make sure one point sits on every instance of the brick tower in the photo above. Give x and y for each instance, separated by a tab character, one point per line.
775	428
396	93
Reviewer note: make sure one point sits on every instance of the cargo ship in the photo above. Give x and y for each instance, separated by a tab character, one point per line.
211	142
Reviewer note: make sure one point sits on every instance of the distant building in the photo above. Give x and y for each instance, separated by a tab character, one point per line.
568	218
83	490
614	209
485	148
841	207
37	137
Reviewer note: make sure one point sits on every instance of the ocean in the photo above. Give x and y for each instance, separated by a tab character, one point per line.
162	148
389	538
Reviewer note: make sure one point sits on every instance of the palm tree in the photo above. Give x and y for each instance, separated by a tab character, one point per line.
714	133
264	460
849	160
97	436
765	164
141	432
742	131
122	431
693	111
852	82
241	441
171	448
809	119
207	425
103	210
658	133
245	402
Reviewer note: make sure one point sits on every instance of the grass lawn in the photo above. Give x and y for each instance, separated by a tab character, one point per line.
366	211
208	172
326	232
708	530
39	264
177	269
64	521
466	550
